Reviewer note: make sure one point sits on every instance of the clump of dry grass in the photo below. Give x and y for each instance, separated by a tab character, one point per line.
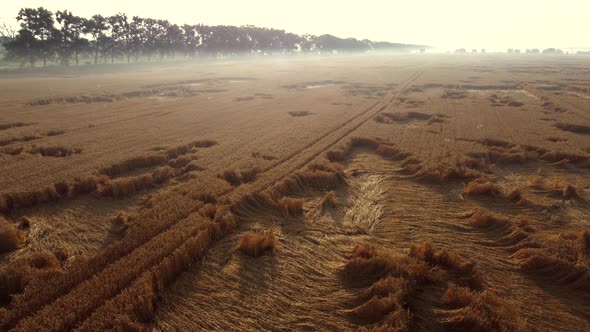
535	181
25	222
443	257
43	260
513	233
248	176
574	128
206	143
55	132
466	272
569	191
257	244
192	166
232	177
394	281
208	211
480	312
10	237
162	174
558	156
454	94
62	254
12	151
483	219
180	161
299	113
406	117
320	176
560	187
369	264
263	156
235	179
78	186
126	186
340	153
481	187
391	151
133	163
121	222
55	151
253	203
441	172
386	300
457	296
330	200
292	206
562	257
10	201
4	126
515	195
11	140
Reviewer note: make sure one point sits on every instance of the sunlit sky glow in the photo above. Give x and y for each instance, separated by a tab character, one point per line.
448	24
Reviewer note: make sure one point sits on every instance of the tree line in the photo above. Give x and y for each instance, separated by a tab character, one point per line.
65	38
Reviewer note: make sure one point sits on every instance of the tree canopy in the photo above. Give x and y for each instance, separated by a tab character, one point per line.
63	38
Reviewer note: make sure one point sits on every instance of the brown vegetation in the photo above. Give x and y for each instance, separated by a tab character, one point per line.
483	312
257	244
55	151
292	206
26	138
395	279
4	126
10	237
299	113
55	132
386	117
574	128
481	187
125	186
330	200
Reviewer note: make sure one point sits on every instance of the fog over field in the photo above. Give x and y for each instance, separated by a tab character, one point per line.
241	166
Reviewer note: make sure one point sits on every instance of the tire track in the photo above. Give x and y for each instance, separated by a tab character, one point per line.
380	105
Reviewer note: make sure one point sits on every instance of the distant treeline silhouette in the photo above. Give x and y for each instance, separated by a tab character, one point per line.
64	38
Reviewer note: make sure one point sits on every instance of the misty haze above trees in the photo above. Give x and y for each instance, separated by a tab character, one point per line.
64	38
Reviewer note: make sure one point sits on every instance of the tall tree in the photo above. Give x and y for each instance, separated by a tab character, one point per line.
174	39
69	34
38	24
97	28
120	35
137	34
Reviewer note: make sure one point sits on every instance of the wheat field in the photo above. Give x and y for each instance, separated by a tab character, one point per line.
373	193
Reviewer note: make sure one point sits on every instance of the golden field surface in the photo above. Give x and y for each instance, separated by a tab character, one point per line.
402	193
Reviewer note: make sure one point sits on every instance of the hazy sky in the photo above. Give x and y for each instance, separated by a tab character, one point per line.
492	24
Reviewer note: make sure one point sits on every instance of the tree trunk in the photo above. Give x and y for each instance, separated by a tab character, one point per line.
96	56
76	57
